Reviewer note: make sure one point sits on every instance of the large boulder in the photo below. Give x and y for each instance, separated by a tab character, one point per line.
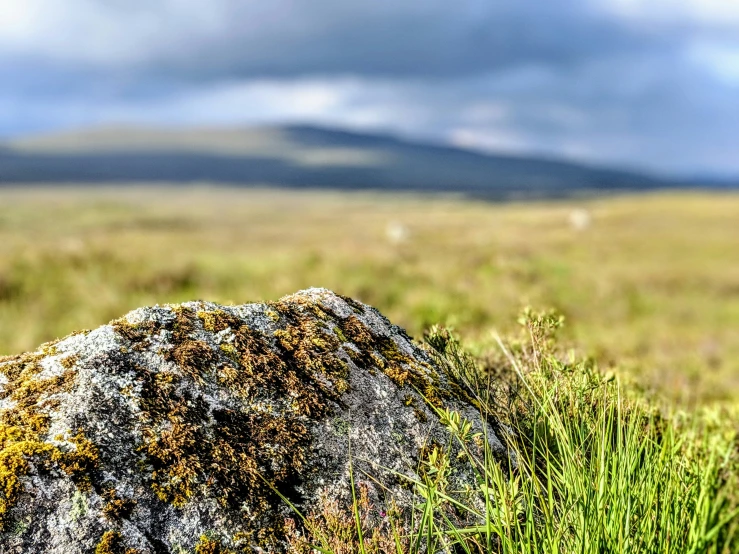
179	427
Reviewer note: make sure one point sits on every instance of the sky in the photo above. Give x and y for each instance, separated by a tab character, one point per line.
651	84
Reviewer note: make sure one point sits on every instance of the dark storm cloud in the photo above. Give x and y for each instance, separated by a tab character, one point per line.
414	38
642	82
437	40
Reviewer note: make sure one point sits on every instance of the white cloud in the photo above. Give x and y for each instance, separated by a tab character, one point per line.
129	32
562	83
721	58
263	99
338	101
489	139
715	12
677	133
485	111
73	29
123	32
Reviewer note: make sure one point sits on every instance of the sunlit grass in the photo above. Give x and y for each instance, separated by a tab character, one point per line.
652	285
597	468
650	289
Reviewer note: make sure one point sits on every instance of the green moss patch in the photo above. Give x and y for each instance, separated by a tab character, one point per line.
112	543
277	384
24	429
207	545
224	414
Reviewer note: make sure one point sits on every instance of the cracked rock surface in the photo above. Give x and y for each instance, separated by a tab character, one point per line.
180	422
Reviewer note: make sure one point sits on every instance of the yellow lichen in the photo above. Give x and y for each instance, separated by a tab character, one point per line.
139	334
238	453
194	356
207	545
383	352
68	362
117	509
80	461
24	426
112	543
211	319
230	458
230	351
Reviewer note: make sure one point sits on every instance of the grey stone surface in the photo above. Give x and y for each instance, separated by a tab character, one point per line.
180	411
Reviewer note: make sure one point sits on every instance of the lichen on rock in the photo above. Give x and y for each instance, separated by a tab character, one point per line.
185	428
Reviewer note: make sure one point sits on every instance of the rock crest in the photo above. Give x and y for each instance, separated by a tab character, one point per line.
180	426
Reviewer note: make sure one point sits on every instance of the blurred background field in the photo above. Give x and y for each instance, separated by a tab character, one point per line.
648	283
446	162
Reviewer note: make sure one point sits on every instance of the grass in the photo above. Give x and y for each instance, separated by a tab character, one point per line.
637	456
652	286
599	469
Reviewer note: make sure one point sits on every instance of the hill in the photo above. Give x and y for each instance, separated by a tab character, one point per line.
299	157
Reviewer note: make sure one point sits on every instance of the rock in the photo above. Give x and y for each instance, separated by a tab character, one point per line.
174	428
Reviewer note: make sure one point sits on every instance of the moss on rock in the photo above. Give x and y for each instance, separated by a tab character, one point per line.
112	543
177	420
24	429
207	545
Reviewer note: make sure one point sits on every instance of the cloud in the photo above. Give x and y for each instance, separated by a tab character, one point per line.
651	83
231	38
720	57
721	13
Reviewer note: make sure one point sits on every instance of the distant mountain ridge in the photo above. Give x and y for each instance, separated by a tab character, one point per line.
299	156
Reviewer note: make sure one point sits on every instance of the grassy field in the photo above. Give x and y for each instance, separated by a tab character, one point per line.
599	468
651	285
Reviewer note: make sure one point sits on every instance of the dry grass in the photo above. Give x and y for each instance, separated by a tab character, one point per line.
652	283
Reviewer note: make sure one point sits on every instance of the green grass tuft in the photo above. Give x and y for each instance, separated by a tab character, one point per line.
599	467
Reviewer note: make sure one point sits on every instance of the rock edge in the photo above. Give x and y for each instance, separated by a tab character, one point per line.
176	424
